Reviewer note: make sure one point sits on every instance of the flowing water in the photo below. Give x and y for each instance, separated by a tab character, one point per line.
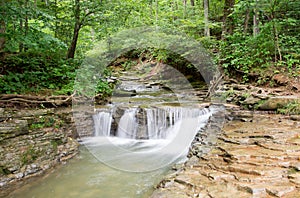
87	178
133	146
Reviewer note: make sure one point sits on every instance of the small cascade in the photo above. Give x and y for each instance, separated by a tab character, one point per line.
160	121
102	122
127	127
148	123
145	139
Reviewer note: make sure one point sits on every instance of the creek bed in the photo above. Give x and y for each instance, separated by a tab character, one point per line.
85	176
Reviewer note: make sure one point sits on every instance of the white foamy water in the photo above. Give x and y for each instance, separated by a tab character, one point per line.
170	132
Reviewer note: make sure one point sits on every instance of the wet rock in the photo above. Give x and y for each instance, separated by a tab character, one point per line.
194	160
19	175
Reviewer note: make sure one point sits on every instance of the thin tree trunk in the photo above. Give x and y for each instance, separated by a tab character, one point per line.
206	19
192	2
173	10
56	19
276	42
255	21
2	38
21	45
275	33
184	11
72	48
77	27
156	12
26	24
246	21
2	30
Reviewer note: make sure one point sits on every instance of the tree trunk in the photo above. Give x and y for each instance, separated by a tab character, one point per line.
21	45
255	20
192	2
56	19
228	25
2	38
77	27
156	12
206	20
72	48
275	33
184	11
26	25
246	21
2	29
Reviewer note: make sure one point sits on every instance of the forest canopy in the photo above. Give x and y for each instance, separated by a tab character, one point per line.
43	42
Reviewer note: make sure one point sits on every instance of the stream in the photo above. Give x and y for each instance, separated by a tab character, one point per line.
85	177
148	126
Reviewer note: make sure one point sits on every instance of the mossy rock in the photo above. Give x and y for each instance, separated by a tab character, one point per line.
274	103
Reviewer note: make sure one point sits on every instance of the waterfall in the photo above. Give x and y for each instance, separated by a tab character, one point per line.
159	122
102	123
146	139
128	124
160	119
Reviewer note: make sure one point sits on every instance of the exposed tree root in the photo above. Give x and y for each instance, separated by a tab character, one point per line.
29	100
18	100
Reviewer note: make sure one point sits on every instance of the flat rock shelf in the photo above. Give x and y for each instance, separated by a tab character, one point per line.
256	158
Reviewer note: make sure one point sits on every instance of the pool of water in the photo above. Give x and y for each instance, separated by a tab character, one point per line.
85	176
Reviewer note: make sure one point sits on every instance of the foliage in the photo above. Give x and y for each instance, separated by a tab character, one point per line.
104	88
244	54
46	121
32	72
4	171
276	45
36	37
290	108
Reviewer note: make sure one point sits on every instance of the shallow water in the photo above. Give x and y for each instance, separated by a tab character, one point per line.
86	177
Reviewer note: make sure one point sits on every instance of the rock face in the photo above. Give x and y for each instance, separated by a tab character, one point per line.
33	141
259	158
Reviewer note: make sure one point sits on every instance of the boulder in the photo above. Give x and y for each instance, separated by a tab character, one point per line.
251	101
274	103
281	79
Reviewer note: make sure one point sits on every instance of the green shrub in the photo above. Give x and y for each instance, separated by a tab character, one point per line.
290	108
33	72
